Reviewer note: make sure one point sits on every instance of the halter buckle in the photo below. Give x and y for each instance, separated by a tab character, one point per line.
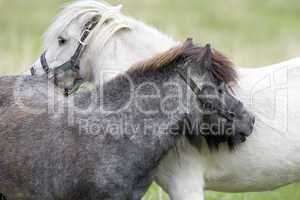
84	36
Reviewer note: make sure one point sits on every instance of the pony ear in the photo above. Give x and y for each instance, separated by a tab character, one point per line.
119	8
208	56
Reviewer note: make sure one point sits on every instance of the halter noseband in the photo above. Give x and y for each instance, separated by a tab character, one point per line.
73	63
213	105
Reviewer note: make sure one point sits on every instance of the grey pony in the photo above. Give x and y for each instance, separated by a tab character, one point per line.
45	156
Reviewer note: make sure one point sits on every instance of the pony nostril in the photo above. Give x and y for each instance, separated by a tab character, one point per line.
253	121
32	70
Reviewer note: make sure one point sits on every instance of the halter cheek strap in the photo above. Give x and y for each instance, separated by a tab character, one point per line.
204	103
44	63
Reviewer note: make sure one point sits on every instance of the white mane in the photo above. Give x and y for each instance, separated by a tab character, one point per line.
123	37
81	10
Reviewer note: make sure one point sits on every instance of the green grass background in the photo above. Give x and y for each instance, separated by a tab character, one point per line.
252	33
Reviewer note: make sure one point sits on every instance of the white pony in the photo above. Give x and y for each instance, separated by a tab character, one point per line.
271	156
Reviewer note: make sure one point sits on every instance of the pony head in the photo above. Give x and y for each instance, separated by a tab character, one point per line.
213	111
68	40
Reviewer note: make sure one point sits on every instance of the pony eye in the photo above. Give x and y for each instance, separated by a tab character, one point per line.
61	41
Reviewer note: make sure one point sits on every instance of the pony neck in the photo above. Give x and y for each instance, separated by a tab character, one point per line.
126	47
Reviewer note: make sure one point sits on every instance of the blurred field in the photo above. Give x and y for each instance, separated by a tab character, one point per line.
251	32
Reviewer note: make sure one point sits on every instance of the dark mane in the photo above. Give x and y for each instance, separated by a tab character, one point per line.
222	68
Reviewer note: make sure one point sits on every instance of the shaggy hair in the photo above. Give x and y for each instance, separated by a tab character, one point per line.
221	67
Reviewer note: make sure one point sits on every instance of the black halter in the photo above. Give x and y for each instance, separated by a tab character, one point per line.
205	103
74	63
